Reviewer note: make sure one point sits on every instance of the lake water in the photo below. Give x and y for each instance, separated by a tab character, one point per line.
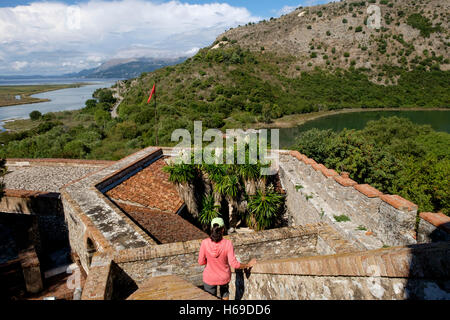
60	100
438	119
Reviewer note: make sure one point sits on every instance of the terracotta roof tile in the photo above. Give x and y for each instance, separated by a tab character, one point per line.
149	188
437	219
398	202
162	226
368	190
346	182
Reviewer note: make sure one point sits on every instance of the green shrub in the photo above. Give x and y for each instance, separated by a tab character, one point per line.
423	24
341	218
35	115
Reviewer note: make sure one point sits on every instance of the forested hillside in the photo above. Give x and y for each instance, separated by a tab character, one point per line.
391	154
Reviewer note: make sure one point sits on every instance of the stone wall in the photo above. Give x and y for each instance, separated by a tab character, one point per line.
433	227
95	224
99	283
31	202
83	234
315	193
117	275
47	207
181	258
393	273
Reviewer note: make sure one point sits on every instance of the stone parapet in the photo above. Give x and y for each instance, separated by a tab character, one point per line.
316	193
98	284
180	259
391	273
433	227
416	261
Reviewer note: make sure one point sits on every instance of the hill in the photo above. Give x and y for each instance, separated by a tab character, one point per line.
308	60
126	68
344	34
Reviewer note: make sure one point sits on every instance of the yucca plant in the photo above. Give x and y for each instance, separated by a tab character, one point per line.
249	174
263	208
183	176
228	186
180	173
214	173
209	210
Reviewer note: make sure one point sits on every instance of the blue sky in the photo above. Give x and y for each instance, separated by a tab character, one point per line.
57	37
263	8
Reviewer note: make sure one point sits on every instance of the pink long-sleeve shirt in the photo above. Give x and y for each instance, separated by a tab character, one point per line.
218	257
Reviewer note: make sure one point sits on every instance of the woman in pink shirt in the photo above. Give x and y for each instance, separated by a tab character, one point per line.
218	255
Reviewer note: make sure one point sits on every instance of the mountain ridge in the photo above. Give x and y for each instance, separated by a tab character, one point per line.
126	68
337	35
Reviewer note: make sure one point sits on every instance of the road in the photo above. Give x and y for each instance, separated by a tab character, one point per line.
116	94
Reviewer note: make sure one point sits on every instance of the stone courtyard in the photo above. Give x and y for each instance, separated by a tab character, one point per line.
120	228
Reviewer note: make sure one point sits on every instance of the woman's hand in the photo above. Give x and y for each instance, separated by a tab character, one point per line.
251	263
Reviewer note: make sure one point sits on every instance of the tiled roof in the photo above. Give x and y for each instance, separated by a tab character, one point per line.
164	227
149	188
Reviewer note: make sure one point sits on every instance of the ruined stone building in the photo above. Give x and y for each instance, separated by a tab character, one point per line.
119	230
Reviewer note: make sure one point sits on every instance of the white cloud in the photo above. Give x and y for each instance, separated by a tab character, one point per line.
19	65
96	30
286	10
305	3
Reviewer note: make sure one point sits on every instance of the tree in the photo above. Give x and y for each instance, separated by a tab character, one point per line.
35	115
90	104
267	113
106	96
101	117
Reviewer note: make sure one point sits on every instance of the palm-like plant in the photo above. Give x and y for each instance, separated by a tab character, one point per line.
180	173
183	176
263	208
215	173
209	210
249	174
228	186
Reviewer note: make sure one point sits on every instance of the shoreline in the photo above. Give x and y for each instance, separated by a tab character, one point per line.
26	97
294	120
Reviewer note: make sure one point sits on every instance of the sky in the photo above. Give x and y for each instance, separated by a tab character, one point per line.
56	37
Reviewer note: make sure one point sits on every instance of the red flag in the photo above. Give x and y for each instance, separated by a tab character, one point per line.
151	93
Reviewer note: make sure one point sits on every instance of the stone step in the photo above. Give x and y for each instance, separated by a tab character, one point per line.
169	287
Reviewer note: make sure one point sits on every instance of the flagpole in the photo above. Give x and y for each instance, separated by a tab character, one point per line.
156	121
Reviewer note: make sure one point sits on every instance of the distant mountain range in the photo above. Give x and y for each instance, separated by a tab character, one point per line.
126	68
112	69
